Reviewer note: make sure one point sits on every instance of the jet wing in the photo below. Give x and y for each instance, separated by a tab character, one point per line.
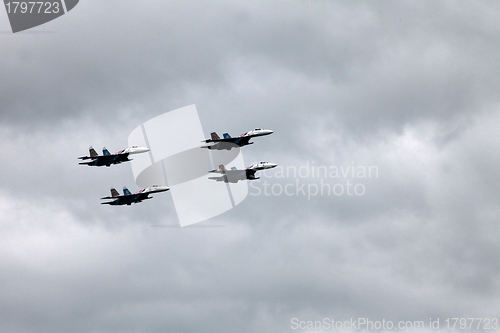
235	173
235	140
107	203
230	176
99	157
142	196
116	197
228	172
226	179
219	179
111	159
220	140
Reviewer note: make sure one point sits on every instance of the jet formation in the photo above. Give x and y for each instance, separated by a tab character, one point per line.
234	175
229	176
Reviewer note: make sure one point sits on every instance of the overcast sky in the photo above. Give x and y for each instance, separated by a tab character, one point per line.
408	88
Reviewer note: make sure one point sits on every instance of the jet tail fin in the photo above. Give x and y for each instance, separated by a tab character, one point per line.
222	169
126	191
92	152
214	136
114	192
226	136
105	151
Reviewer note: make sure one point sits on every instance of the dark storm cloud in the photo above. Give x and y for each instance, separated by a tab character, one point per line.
111	65
381	64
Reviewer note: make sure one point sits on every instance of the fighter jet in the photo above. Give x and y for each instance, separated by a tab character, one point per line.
129	198
229	142
234	175
107	159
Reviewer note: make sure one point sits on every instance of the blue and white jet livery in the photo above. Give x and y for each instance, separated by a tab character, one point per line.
228	142
234	175
107	159
129	198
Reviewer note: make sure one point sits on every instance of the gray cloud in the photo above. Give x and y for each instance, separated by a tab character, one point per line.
409	88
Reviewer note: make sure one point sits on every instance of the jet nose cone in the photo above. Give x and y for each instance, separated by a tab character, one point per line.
272	165
159	188
138	150
267	132
163	188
